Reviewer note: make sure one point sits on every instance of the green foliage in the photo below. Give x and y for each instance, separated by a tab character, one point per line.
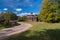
19	18
39	31
50	11
1	17
6	18
10	16
23	18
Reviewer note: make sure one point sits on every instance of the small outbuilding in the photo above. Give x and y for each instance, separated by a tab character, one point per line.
32	17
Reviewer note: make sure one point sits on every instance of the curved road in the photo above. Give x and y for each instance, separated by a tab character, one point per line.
4	33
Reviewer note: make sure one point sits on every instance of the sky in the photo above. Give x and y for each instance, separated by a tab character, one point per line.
21	7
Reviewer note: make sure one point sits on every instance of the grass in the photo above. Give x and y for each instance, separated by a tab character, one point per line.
1	27
8	26
39	31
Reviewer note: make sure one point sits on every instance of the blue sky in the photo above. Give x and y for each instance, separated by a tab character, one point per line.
21	7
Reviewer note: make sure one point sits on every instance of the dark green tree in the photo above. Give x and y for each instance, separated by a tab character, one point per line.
19	18
9	16
24	18
1	18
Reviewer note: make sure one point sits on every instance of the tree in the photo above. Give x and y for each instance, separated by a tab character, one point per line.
1	17
50	11
23	18
9	16
44	10
19	18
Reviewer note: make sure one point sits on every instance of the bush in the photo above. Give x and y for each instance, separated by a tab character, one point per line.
19	18
23	18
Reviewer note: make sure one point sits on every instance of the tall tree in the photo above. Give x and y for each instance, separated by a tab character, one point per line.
1	16
49	11
44	9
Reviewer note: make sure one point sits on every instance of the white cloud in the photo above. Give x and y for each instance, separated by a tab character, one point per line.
5	9
22	14
18	9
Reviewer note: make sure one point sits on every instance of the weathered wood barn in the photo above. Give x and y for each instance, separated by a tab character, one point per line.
32	17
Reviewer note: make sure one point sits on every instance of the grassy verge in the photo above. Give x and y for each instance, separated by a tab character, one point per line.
8	26
1	27
39	31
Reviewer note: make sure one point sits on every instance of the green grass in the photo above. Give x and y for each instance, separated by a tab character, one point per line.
39	31
1	27
8	26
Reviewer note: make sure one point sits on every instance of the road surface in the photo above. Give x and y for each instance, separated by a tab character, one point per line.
4	33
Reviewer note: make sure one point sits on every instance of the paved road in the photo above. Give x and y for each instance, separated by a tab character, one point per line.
14	30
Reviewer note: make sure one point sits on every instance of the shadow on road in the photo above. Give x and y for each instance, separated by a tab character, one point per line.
51	34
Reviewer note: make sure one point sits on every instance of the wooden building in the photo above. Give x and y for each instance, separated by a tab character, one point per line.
31	17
